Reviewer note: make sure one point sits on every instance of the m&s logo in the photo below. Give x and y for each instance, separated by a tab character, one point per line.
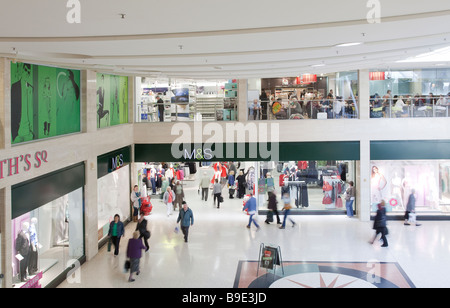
198	154
117	162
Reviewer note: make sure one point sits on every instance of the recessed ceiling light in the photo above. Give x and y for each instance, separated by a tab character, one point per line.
318	65
349	44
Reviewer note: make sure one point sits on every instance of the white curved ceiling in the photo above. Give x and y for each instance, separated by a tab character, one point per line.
226	39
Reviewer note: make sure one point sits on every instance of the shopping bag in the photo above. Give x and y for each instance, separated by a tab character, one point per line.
126	266
270	216
339	203
412	218
109	244
176	230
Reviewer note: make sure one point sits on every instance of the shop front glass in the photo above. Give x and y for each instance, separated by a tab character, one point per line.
170	100
427	180
309	185
409	93
47	240
308	96
113	191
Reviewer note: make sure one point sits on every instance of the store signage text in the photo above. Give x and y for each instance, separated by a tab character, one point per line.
225	141
15	165
117	162
198	154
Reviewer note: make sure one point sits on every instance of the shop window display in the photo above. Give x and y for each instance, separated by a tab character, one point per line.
315	185
46	240
113	198
393	182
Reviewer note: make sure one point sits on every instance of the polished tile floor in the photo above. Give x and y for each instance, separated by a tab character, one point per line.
220	244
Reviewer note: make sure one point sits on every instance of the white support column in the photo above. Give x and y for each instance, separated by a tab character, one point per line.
6	238
242	100
363	182
363	94
89	120
363	166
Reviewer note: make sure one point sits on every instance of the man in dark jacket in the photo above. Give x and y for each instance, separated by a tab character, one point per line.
186	216
160	104
410	208
379	224
143	232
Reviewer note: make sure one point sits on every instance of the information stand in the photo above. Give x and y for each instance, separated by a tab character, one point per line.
269	258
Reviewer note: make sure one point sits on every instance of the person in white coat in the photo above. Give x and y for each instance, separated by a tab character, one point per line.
168	199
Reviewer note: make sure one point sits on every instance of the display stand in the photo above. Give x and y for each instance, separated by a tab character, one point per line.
269	258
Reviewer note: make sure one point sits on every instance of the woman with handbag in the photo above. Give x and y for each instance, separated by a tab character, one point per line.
349	198
287	209
134	253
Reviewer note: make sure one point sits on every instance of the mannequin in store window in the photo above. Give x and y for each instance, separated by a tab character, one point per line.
33	255
23	249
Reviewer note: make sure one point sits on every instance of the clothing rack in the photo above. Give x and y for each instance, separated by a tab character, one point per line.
301	192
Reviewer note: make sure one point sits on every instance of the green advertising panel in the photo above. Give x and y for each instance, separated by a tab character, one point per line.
112	100
45	102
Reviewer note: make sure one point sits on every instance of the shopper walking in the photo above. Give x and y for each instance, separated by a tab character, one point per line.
143	232
116	231
136	199
179	195
164	184
251	207
411	209
168	199
273	207
349	198
287	209
231	184
134	253
217	192
204	186
186	219
380	224
241	184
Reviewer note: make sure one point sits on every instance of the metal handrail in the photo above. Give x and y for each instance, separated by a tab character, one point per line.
307	109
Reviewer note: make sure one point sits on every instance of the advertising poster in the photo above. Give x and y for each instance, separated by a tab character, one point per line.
45	102
394	181
112	100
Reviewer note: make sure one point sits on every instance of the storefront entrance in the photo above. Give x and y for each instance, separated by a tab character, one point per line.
314	185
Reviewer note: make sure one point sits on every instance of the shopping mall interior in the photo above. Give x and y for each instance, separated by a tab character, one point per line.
310	150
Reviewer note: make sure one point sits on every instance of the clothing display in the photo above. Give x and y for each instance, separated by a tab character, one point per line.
23	249
299	191
332	188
